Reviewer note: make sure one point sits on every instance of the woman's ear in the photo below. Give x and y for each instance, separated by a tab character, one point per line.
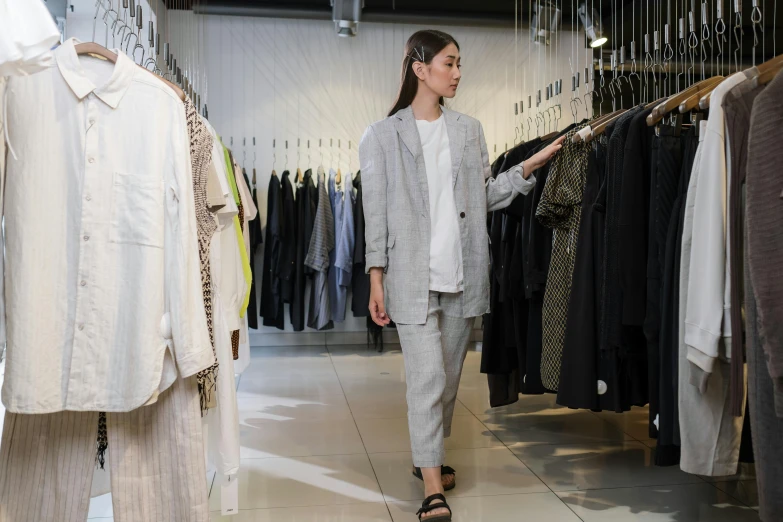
418	70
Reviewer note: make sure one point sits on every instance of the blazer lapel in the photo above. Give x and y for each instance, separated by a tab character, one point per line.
409	134
406	128
457	133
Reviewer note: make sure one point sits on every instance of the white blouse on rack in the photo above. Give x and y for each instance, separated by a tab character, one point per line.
102	273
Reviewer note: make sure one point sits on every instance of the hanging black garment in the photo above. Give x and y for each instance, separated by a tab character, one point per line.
306	199
579	369
360	282
255	240
498	352
494	356
506	332
624	361
271	298
287	240
667	163
668	447
536	256
611	331
633	219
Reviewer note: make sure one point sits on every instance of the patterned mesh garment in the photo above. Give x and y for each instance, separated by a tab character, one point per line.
200	156
201	142
559	209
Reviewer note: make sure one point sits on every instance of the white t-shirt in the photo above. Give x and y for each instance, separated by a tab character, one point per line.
445	243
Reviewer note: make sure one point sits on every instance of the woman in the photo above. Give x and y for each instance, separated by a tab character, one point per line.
427	190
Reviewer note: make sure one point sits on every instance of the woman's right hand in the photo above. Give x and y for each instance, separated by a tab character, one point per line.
377	308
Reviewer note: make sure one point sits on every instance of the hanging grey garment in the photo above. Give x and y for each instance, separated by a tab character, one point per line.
337	293
766	427
764	214
321	244
341	270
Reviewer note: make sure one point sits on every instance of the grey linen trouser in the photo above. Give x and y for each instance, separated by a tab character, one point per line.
434	353
155	456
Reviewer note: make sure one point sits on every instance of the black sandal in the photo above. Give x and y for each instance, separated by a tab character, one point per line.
444	470
427	506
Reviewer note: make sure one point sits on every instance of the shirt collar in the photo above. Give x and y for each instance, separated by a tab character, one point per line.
71	68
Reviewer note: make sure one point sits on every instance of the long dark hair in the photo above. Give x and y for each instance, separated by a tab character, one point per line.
422	47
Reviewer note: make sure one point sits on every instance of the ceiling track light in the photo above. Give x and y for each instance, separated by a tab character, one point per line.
346	15
592	23
546	20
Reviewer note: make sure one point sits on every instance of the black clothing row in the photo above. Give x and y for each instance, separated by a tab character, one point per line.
291	217
600	361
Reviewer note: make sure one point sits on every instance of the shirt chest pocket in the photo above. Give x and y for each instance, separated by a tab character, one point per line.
137	210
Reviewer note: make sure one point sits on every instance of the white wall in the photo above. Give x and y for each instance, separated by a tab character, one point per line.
287	79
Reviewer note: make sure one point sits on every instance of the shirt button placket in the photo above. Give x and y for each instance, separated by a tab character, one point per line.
81	345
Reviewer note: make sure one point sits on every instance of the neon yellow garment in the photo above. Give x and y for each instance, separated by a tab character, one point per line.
246	270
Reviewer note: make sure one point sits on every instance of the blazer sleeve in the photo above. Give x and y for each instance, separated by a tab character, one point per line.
373	166
502	190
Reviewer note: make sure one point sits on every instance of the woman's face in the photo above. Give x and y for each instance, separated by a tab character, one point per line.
442	75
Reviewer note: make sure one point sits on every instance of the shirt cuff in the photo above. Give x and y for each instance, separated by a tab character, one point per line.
195	362
701	359
519	183
374	260
701	346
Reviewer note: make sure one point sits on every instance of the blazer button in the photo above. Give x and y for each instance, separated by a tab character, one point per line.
462	215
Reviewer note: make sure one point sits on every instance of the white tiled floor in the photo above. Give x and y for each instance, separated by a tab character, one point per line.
324	439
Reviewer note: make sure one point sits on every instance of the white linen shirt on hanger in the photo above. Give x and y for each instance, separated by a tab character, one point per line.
102	272
445	242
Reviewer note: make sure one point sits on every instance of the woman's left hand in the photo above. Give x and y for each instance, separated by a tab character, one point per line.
542	157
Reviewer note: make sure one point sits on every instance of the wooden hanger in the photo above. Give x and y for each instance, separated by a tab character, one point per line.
102	52
770	67
339	177
601	127
697	99
254	176
299	175
767	76
655	103
768	70
594	123
547	137
675	100
274	172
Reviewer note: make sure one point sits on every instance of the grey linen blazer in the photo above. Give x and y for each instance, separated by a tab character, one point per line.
396	209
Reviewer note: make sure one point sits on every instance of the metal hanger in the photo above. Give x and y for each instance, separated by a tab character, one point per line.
299	175
274	158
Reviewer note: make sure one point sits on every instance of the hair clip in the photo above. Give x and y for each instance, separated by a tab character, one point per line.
419	56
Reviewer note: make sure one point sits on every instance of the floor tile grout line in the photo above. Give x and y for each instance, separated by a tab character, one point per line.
715	485
528	468
523	463
653	449
356	425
